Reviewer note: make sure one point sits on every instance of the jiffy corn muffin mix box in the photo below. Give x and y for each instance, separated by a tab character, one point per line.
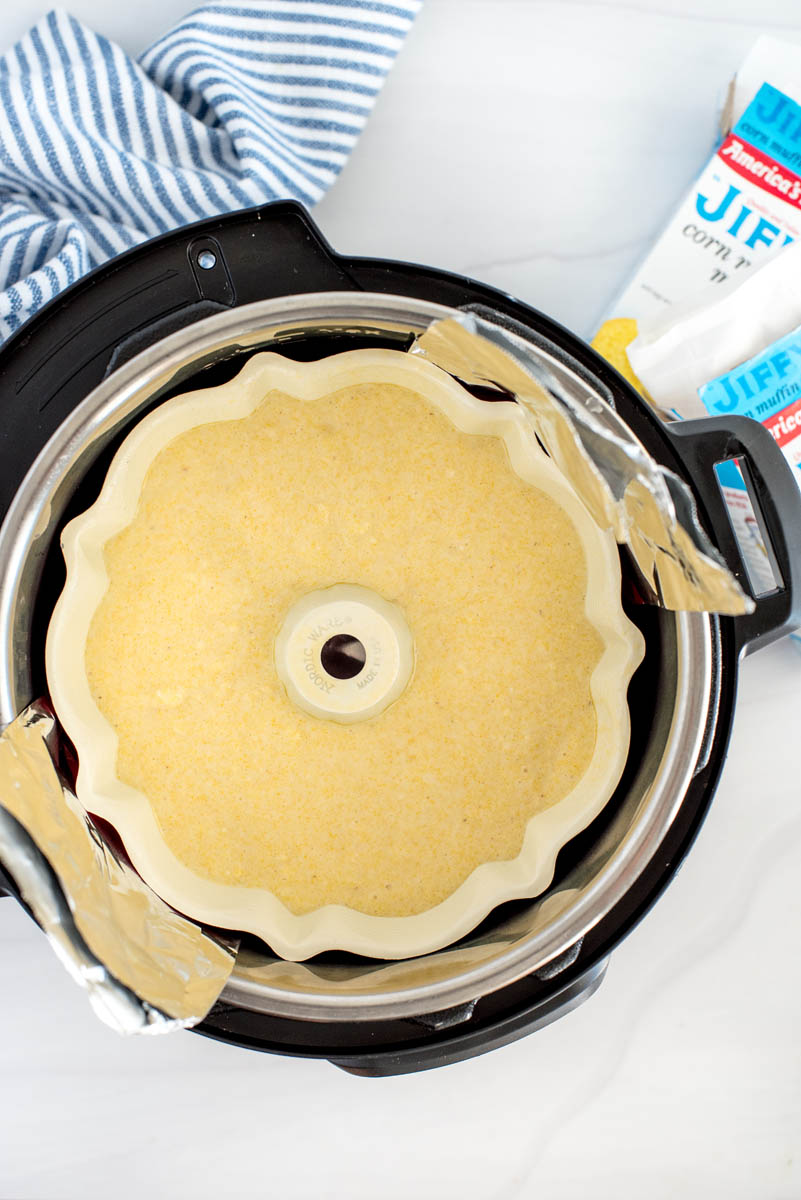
741	211
745	204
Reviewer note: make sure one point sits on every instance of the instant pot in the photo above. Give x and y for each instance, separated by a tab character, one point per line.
184	311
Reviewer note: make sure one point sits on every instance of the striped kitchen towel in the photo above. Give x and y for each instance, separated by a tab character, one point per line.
238	105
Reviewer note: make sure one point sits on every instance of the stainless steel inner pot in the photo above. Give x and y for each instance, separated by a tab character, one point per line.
502	950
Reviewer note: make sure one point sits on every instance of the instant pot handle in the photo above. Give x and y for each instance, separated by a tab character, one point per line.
776	494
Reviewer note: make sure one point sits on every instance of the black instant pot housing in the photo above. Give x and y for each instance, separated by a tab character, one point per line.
135	300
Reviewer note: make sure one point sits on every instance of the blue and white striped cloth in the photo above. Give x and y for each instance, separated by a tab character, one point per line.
240	104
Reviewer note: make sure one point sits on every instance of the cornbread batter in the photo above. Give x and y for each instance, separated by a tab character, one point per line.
371	485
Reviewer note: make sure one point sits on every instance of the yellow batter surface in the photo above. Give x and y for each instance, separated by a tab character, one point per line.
369	485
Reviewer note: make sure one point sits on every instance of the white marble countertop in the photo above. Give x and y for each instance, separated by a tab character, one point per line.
537	146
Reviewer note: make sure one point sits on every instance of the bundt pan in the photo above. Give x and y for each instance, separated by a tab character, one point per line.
185	312
163	661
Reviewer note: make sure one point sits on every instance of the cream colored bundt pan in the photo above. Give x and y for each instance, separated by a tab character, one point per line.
256	910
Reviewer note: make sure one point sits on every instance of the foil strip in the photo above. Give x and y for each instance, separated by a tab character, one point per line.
648	507
146	969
